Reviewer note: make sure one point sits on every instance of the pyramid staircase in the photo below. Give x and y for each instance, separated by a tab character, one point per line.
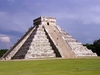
45	40
75	46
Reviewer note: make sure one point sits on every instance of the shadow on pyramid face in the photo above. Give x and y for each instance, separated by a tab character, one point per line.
25	47
45	40
38	45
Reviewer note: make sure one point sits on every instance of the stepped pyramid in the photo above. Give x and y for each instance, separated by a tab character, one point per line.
44	40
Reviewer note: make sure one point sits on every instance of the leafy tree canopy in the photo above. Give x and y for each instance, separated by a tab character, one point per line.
3	51
95	47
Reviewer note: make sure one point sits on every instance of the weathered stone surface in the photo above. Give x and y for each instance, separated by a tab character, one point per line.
46	39
76	46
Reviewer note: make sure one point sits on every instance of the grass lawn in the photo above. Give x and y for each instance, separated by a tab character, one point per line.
80	66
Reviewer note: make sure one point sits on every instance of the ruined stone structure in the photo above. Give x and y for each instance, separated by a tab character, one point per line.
44	40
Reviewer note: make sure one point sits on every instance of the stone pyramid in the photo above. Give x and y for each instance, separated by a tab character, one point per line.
44	40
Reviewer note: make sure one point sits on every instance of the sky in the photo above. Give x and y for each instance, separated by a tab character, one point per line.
79	18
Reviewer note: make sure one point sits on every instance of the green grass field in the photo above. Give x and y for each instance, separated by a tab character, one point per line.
81	66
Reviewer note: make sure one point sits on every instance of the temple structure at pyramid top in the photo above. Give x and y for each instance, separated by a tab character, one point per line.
47	40
45	21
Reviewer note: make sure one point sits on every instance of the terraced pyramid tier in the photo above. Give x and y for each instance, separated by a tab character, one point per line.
36	46
45	40
76	46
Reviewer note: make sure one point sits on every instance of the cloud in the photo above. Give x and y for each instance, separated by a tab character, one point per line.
5	42
4	38
80	18
19	22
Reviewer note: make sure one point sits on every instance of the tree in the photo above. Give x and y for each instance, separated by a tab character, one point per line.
90	46
3	51
95	47
96	44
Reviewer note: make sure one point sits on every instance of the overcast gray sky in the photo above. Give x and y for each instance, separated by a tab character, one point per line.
80	18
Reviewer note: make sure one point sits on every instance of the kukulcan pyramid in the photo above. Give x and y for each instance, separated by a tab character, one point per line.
47	40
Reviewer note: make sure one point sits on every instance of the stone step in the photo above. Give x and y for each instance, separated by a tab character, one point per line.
76	46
